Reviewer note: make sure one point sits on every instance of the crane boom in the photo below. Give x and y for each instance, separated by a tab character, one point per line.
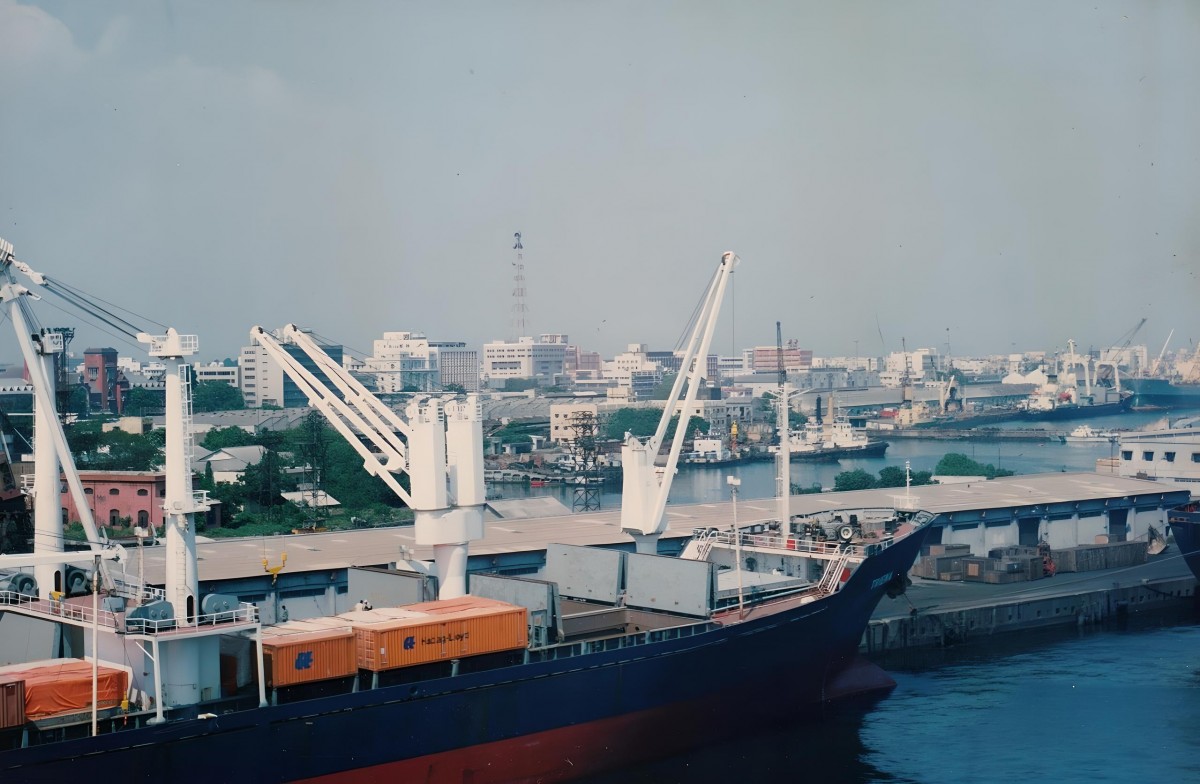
644	487
434	446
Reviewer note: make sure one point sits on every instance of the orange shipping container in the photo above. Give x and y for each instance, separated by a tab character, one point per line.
305	657
389	638
62	686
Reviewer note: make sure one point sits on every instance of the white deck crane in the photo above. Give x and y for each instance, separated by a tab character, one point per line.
439	446
50	442
644	486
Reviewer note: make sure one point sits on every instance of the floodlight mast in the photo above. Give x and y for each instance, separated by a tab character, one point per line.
644	487
439	446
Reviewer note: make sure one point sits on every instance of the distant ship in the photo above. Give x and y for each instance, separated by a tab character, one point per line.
1086	434
1164	392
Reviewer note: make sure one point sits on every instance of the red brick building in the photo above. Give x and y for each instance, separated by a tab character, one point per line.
106	384
114	495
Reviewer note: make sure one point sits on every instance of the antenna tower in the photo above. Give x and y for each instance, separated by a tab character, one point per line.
583	452
518	309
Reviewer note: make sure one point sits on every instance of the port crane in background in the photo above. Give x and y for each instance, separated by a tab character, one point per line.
438	445
645	487
1158	360
1107	370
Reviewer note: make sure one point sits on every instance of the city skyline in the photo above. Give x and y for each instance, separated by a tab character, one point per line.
883	171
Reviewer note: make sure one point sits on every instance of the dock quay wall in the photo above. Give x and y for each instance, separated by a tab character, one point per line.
940	627
981	434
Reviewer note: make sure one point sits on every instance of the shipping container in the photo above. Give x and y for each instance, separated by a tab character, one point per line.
294	655
58	687
389	638
12	702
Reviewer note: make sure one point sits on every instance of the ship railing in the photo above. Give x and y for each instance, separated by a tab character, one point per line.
57	608
585	647
796	544
82	614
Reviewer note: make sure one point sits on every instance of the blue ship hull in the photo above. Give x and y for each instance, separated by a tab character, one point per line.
1185	525
1164	392
543	720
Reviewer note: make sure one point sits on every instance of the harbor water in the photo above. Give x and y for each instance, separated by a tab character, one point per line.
1120	704
700	484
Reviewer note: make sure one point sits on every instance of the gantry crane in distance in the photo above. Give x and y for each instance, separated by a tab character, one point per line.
437	444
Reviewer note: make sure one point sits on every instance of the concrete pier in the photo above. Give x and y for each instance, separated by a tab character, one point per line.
937	614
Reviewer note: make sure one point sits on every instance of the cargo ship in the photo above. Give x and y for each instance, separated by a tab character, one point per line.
551	676
598	698
1185	526
1164	392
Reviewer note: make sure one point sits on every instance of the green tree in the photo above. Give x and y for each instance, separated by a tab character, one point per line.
216	396
115	450
348	482
222	437
857	479
641	422
145	402
264	481
957	464
894	476
695	425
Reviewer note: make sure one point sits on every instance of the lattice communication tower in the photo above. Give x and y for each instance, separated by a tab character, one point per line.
588	481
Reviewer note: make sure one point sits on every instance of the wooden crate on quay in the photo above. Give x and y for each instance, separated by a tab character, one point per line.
1093	557
932	567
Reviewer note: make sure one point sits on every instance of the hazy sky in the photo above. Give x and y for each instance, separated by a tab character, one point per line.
1017	172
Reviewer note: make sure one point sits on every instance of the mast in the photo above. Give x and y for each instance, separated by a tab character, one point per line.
783	458
181	503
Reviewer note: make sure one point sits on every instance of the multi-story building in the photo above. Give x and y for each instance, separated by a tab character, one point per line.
582	365
220	372
263	382
917	364
526	358
404	362
766	359
567	418
105	382
457	365
670	361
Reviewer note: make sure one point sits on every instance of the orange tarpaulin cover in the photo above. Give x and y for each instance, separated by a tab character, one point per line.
65	686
